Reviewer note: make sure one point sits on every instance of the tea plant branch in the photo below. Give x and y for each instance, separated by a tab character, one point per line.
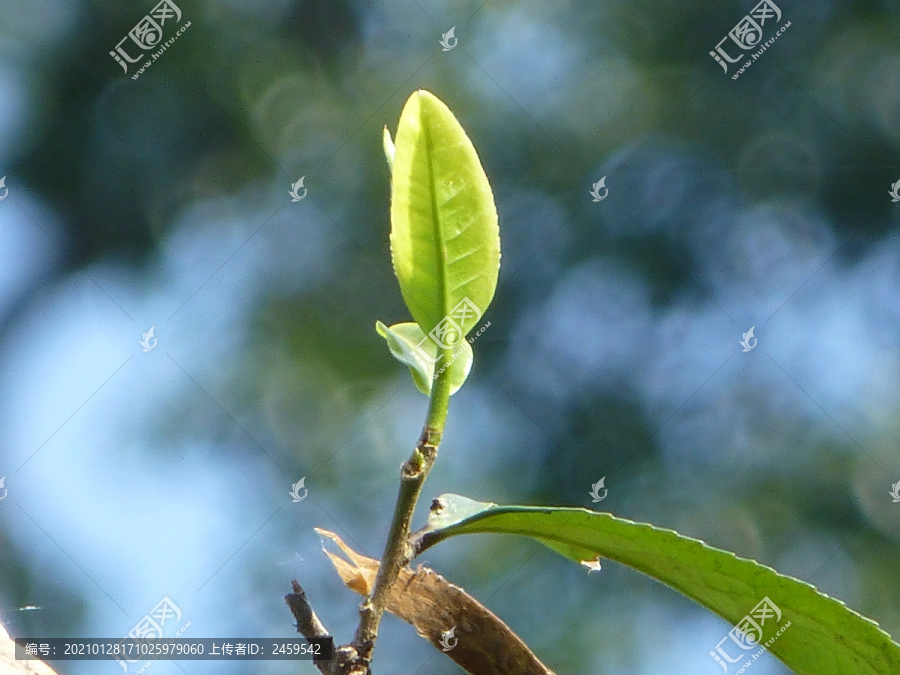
445	250
397	550
482	644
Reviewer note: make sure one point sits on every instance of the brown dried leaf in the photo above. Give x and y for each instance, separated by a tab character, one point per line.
484	644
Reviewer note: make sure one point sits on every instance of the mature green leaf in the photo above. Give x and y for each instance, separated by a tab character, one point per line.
445	242
408	345
824	636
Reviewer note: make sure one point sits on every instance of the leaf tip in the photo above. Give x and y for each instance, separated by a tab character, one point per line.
388	145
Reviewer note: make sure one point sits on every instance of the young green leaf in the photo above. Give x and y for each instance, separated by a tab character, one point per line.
445	242
408	345
824	636
388	146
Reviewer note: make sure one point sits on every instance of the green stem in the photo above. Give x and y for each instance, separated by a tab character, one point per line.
398	551
439	403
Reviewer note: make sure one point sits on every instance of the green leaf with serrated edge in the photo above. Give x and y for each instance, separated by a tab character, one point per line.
407	341
445	242
825	637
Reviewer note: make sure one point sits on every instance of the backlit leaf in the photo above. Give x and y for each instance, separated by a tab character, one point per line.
824	637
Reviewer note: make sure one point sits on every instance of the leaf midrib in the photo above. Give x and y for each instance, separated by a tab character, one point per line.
435	215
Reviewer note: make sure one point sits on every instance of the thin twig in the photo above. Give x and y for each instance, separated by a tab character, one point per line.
309	625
